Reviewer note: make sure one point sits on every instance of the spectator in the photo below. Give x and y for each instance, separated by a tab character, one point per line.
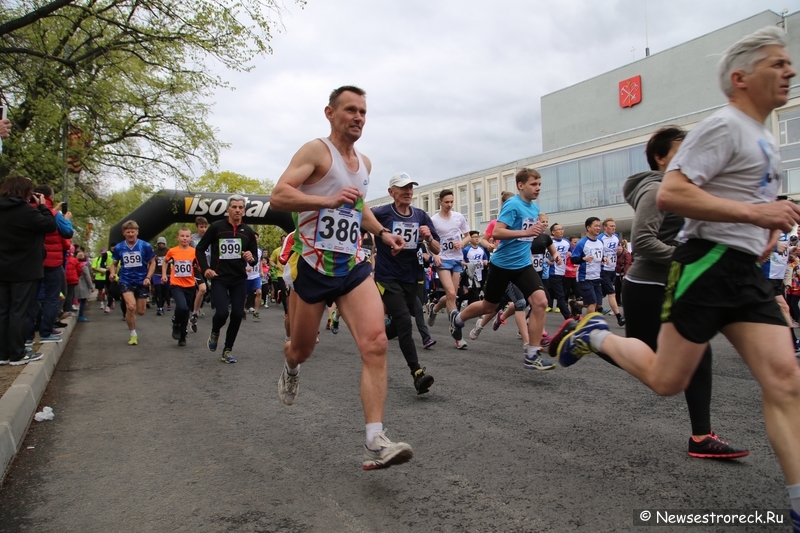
624	260
84	289
72	269
55	243
21	262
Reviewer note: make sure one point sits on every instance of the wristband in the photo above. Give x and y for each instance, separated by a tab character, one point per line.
382	231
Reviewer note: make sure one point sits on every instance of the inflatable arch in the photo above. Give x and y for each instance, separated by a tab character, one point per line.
168	207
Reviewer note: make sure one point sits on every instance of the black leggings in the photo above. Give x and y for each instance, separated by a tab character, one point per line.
224	292
643	321
398	299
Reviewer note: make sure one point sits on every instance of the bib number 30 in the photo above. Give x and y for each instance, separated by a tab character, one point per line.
338	230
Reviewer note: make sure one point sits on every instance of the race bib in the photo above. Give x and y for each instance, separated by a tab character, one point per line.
338	230
132	259
449	245
597	253
182	269
527	223
409	231
230	248
159	261
538	261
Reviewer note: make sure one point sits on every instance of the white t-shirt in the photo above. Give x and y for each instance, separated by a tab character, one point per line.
450	231
731	156
255	272
610	244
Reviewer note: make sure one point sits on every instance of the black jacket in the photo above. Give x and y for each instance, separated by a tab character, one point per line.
22	231
227	269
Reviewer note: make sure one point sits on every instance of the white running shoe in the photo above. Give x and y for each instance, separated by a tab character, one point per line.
388	453
461	344
288	386
476	331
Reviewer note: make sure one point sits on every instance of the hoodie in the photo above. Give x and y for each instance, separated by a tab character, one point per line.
655	233
23	228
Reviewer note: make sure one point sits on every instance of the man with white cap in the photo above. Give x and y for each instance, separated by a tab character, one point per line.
398	276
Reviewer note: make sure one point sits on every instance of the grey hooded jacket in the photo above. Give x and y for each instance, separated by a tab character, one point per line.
655	232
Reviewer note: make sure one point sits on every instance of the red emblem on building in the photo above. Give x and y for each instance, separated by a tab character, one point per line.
630	91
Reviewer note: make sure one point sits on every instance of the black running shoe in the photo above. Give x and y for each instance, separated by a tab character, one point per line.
713	447
567	327
176	331
422	381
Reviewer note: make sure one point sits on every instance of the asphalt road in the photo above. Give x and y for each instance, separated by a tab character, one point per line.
161	438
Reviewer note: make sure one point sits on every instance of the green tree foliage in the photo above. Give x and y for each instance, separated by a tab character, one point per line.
133	75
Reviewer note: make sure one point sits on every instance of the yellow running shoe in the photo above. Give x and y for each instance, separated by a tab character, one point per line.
133	341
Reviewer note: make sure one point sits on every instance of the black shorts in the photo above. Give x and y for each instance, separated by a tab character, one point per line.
140	292
711	285
100	284
778	287
607	278
591	291
497	280
313	287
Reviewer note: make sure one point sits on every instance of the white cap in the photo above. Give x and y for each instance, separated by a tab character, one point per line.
401	179
161	240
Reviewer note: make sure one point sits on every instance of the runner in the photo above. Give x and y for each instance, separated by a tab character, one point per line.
202	284
100	271
397	275
608	273
160	286
558	270
724	179
133	266
254	285
588	256
325	184
182	259
453	229
517	225
233	246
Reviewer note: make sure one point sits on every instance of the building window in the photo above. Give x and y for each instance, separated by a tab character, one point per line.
426	204
510	183
477	198
463	201
494	200
789	140
548	196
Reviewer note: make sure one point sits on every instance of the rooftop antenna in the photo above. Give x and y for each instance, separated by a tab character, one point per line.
783	20
633	53
646	38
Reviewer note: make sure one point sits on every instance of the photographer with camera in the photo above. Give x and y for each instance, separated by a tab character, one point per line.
25	219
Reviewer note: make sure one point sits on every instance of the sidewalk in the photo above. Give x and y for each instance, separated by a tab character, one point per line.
21	400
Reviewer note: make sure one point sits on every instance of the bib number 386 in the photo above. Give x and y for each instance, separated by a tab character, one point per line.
338	230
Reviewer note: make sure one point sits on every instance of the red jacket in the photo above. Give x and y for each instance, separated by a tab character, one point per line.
73	270
54	245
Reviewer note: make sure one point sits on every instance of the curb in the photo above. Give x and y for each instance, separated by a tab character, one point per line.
19	403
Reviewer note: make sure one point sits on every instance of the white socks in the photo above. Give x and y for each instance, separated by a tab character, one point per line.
291	371
372	431
597	337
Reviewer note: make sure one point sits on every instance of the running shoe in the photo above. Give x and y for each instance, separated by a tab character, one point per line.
251	310
537	362
212	341
4	362
335	327
256	315
546	340
227	356
548	309
27	358
160	311
428	343
567	327
431	313
476	331
288	386
461	345
134	340
498	319
388	453
328	324
455	331
422	381
51	338
182	341
713	447
577	343
193	322
557	310
176	331
620	320
107	310
83	319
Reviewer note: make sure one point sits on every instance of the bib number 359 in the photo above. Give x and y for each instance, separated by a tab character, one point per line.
338	230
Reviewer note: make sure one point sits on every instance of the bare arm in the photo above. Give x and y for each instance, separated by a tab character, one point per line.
680	196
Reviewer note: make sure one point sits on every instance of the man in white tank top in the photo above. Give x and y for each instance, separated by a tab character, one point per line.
325	185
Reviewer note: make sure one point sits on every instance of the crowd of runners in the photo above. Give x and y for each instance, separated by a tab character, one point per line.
712	252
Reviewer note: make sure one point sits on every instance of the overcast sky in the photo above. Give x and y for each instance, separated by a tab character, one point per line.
453	86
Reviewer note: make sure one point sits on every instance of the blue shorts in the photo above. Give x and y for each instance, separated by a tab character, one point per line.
454	265
140	292
313	287
253	285
592	291
607	278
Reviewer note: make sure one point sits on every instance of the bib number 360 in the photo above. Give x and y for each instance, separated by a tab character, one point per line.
338	230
